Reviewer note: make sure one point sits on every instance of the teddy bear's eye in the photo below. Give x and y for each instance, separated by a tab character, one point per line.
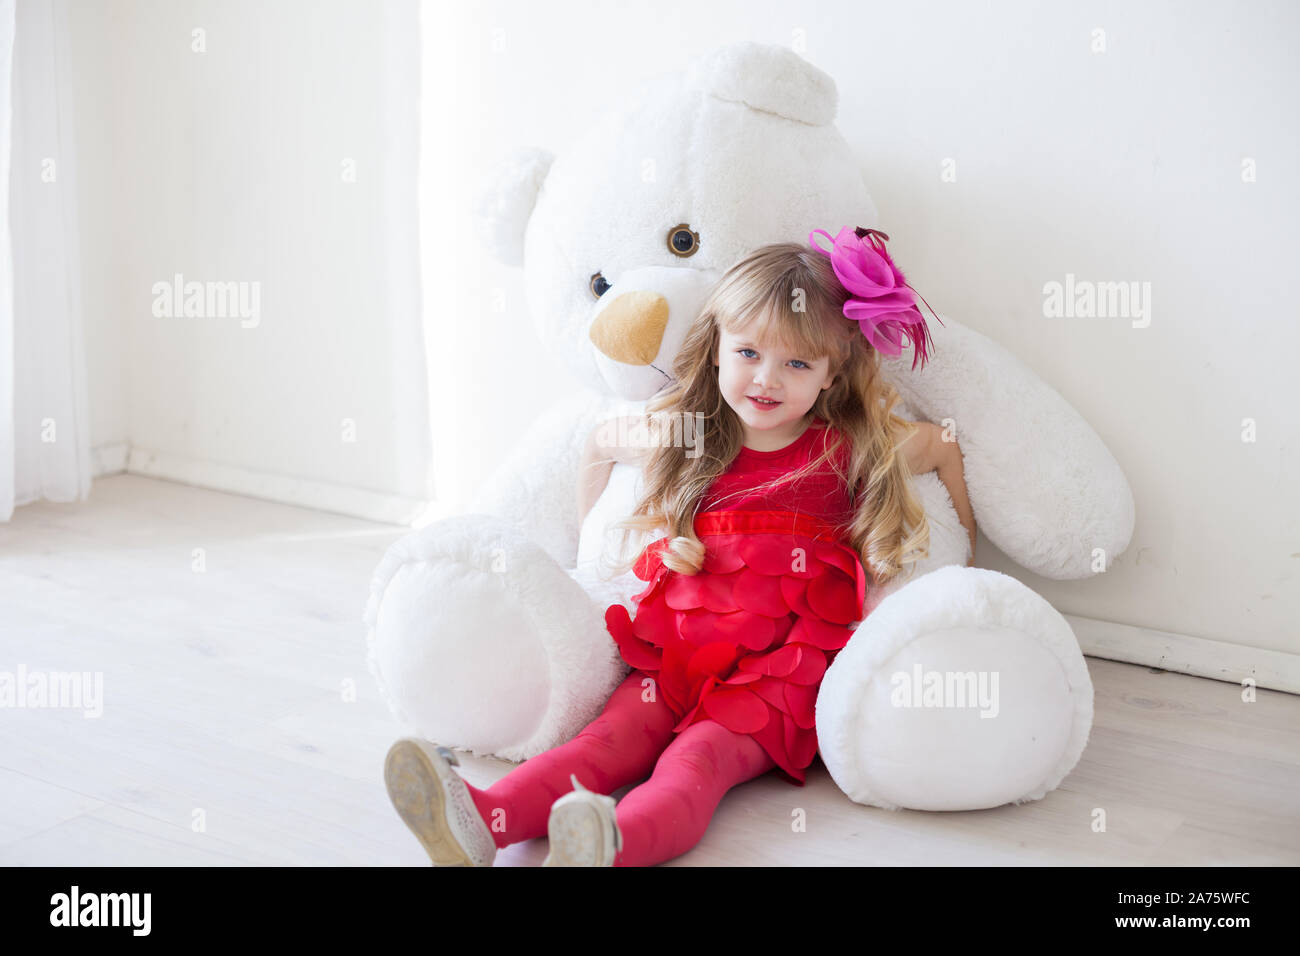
683	241
599	285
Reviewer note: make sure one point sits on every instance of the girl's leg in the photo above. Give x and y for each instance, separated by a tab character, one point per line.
668	814
617	748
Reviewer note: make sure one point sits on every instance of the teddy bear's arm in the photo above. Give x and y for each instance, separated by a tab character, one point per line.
533	489
1047	491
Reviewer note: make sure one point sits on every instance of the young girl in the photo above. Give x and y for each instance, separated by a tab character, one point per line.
798	483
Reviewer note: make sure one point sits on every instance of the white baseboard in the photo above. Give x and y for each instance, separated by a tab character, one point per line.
1199	656
320	495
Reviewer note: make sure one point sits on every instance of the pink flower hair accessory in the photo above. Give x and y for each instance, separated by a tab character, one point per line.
880	300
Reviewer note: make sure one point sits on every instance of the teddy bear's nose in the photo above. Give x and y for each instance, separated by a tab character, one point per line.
631	328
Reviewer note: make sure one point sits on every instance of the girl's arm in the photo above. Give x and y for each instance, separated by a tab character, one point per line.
926	450
593	476
952	473
598	460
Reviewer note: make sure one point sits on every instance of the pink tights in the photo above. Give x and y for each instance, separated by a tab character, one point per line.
631	740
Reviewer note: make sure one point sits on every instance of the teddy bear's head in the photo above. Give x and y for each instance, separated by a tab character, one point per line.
623	235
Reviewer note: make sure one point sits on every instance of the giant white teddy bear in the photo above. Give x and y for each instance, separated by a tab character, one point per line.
486	630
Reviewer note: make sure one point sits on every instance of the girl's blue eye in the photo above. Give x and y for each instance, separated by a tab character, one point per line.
800	361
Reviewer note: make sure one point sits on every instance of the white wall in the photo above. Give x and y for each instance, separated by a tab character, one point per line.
228	164
1124	165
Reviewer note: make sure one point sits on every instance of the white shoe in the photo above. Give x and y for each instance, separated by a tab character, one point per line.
583	829
434	802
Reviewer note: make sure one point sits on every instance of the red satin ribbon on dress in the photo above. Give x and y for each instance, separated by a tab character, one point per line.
759	522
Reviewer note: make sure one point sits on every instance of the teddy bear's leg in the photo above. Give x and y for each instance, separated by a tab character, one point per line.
617	748
962	690
480	641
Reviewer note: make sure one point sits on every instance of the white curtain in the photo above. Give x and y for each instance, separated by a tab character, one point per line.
44	417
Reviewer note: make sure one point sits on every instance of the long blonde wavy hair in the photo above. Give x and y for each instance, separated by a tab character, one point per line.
761	294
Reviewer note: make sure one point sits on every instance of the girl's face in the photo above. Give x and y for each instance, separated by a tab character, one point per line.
749	370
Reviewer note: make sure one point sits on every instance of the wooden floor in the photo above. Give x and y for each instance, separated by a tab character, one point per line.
226	737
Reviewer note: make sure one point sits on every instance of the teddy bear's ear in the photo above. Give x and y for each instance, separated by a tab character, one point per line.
767	77
504	201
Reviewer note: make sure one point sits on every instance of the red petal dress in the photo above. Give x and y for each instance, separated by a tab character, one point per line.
746	641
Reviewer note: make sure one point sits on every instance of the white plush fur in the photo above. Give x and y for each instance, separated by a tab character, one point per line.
956	620
486	630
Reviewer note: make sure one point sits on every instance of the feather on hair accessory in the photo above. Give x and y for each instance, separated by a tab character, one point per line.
880	300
